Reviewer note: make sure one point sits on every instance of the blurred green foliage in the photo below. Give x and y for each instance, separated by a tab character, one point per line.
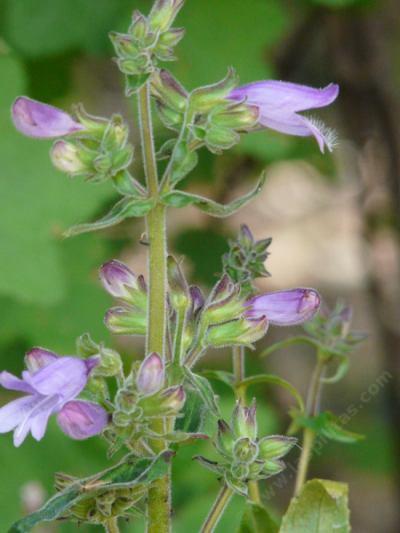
49	293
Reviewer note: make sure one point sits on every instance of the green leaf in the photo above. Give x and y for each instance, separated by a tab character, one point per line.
274	380
328	425
125	208
321	507
203	387
184	161
215	209
256	519
195	416
129	472
220	375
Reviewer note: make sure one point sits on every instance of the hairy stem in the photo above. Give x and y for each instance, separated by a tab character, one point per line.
217	510
239	371
159	501
111	526
312	407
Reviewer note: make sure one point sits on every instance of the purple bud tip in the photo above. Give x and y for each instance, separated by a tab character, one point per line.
285	308
42	121
116	277
91	363
150	377
38	358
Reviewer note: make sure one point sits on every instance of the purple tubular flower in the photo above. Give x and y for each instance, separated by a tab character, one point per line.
51	384
42	121
150	377
279	103
285	308
117	279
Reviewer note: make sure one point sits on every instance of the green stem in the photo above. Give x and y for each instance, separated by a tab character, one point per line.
159	501
111	526
312	408
217	510
239	371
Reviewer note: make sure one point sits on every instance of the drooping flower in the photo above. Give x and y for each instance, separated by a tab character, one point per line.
51	385
279	104
284	308
43	121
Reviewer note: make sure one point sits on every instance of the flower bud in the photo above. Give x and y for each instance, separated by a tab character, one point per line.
240	471
168	91
110	363
163	14
126	401
275	446
150	377
35	119
224	441
205	99
67	157
225	302
271	468
245	450
285	308
167	402
121	419
179	291
38	358
123	321
240	332
244	421
121	282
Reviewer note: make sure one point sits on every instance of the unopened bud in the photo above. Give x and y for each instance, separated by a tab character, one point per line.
224	441
124	321
245	450
244	421
204	99
67	157
163	14
168	91
275	446
150	377
240	332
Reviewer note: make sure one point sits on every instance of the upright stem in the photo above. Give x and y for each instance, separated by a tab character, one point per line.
312	407
239	371
111	526
159	500
217	510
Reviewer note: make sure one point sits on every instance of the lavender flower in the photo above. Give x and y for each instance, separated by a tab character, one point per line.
284	308
42	121
279	103
51	384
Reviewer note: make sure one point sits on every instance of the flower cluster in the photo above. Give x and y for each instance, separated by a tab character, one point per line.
97	149
243	456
